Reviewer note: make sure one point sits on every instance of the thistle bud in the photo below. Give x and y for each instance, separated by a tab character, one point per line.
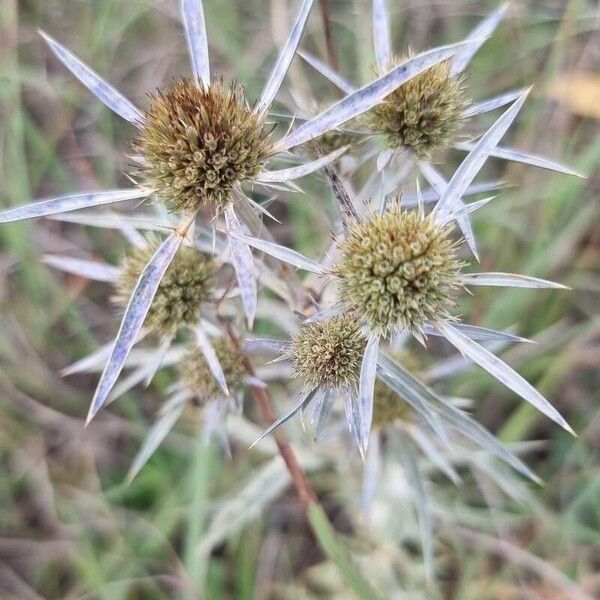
329	353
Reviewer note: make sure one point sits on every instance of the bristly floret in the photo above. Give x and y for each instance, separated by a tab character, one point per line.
198	142
187	283
329	353
424	114
398	269
196	376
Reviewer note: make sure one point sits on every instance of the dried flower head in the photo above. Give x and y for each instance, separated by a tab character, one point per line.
329	353
197	142
187	283
398	268
423	114
196	375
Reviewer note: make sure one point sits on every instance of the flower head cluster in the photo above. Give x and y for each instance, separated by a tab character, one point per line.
197	376
197	142
200	143
398	268
328	353
186	285
424	114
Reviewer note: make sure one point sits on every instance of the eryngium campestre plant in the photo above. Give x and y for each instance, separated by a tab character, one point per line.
189	176
398	269
328	353
186	285
196	375
198	142
424	114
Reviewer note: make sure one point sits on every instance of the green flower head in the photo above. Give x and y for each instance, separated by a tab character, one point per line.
423	114
329	353
398	269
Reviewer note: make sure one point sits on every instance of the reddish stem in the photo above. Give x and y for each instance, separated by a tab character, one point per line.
305	492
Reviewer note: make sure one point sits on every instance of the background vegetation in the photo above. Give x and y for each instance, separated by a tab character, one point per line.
195	524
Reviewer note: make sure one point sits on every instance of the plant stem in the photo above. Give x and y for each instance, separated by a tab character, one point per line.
304	490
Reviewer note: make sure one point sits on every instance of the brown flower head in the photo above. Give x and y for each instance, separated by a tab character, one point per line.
198	142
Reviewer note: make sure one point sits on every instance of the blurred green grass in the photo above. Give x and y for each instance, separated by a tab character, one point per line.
70	527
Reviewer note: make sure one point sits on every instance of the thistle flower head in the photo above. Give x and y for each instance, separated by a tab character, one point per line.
398	268
423	114
196	375
187	283
329	353
197	142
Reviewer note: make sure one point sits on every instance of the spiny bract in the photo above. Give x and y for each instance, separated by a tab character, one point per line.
329	353
424	114
178	301
196	376
333	139
198	142
399	269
